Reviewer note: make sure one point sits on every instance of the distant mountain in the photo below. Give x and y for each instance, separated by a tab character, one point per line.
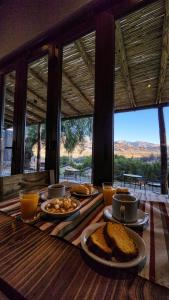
136	149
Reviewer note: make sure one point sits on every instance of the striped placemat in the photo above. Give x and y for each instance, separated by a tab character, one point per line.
156	234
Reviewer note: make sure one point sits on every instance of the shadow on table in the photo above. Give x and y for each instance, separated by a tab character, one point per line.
115	273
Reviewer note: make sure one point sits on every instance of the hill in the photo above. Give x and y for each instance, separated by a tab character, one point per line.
136	149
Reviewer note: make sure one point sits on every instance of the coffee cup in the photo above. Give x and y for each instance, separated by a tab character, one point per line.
124	208
56	190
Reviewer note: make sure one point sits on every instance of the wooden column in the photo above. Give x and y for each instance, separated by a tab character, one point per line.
163	149
1	121
104	99
39	147
19	117
53	110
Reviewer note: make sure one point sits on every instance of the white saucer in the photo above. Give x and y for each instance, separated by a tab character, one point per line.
142	218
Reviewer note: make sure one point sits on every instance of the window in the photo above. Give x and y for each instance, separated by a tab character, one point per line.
36	115
77	109
7	130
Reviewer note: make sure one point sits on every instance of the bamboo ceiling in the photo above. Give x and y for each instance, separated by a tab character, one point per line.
141	69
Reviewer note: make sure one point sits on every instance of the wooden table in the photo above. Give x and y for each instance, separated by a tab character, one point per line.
34	265
132	178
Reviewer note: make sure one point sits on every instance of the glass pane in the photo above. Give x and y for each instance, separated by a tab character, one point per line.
77	110
35	134
137	151
139	40
7	131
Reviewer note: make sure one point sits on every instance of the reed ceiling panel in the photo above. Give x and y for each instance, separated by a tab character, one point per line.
138	61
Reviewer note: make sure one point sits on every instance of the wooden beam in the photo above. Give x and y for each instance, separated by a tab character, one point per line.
19	117
70	105
164	54
164	104
124	64
78	117
85	56
29	106
104	99
29	110
42	81
9	114
163	149
75	88
33	93
1	121
79	23
39	147
53	110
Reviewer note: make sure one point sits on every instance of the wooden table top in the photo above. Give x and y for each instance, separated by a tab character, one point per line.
34	265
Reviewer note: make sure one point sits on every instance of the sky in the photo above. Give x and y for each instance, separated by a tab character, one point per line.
140	125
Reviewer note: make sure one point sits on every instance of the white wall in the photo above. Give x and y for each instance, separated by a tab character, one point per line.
23	20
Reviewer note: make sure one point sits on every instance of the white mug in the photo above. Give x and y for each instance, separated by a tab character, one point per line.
56	190
124	208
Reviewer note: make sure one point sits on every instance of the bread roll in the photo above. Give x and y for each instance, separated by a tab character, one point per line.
80	189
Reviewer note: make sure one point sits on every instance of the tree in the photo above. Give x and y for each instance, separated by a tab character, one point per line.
31	140
74	131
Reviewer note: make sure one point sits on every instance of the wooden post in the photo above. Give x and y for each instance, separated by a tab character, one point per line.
53	110
103	155
1	121
19	117
39	147
163	149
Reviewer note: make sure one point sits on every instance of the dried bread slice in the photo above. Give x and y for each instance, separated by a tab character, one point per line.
124	248
98	245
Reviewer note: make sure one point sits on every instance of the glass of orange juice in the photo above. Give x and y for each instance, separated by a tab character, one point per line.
29	203
108	192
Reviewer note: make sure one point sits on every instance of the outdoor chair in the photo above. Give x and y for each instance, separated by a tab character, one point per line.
141	183
154	184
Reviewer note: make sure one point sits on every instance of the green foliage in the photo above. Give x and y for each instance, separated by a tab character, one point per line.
136	166
31	140
64	160
74	131
85	162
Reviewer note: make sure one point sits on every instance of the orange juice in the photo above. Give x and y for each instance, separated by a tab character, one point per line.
108	192
29	203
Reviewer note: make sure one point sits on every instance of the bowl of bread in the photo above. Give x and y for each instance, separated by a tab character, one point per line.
83	190
113	244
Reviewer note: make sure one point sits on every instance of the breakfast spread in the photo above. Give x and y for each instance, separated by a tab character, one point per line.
61	205
85	189
112	241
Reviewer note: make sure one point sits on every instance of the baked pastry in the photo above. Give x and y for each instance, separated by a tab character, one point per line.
80	189
117	237
122	191
98	245
90	187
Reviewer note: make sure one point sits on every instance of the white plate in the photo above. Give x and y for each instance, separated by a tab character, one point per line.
84	195
133	262
60	215
142	218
